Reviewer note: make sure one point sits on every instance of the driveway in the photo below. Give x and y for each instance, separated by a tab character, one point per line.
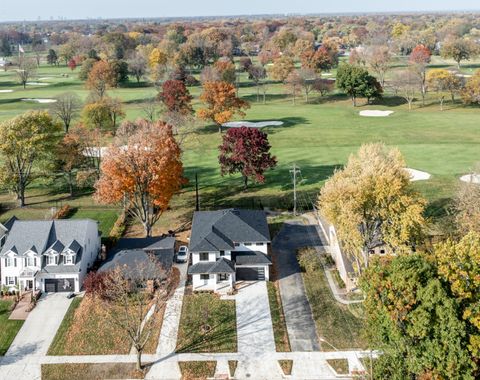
254	322
298	315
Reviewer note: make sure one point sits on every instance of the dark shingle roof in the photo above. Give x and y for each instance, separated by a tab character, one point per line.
219	230
213	267
251	258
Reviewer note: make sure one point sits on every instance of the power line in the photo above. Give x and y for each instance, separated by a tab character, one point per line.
294	171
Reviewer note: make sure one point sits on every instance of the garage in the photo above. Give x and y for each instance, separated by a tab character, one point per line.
59	285
251	274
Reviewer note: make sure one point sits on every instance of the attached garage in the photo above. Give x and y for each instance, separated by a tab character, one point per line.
250	274
59	285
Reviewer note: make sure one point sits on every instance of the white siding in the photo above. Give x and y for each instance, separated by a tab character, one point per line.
254	246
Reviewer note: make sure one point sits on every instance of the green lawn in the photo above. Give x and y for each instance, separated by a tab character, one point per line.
106	218
207	324
8	328
340	325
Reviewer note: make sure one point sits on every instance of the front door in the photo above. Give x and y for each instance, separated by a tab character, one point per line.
29	284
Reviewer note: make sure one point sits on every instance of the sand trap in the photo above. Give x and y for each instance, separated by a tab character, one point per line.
417	175
45	78
470	178
98	151
375	113
40	100
37	84
327	74
250	124
3	91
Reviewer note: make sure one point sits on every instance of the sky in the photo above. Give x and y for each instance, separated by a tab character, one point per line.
53	9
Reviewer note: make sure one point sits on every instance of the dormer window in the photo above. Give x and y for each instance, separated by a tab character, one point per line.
203	256
69	259
30	262
52	260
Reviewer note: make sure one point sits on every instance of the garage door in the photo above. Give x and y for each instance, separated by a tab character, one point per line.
251	274
59	285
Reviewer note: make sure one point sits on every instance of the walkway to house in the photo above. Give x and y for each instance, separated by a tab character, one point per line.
21	310
298	314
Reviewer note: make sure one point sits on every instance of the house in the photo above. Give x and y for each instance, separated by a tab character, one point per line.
227	246
133	254
48	255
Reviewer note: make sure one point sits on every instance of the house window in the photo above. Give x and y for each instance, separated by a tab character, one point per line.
52	260
203	256
30	262
247	244
8	262
382	251
223	276
222	253
68	259
204	277
259	244
236	244
11	280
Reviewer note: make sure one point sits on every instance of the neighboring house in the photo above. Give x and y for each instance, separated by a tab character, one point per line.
228	246
50	255
137	254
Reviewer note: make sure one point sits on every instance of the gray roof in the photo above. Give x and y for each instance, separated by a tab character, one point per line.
219	230
136	263
165	243
213	267
251	258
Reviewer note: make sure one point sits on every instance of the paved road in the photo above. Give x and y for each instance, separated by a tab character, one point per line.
298	316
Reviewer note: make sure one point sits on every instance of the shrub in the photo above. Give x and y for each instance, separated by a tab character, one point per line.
118	228
190	80
308	260
64	212
95	284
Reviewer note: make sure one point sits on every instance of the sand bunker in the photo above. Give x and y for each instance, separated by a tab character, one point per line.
375	113
470	178
250	124
4	91
40	100
37	84
45	78
417	175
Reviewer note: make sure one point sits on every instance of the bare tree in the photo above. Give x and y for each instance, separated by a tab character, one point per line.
137	66
294	84
378	59
66	107
308	77
151	110
257	73
406	84
26	70
133	295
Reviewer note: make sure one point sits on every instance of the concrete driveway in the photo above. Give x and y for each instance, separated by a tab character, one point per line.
298	315
254	322
38	331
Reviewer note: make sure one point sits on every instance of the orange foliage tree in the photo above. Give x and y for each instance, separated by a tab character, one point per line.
145	173
101	77
221	103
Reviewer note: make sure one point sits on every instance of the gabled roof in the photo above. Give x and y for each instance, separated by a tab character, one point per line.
251	258
219	230
213	267
74	246
57	246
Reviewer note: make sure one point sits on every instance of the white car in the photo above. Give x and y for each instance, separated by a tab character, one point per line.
182	254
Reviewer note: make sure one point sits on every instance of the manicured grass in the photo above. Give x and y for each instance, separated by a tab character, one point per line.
280	333
91	371
8	328
340	325
287	366
198	370
207	324
106	218
339	365
87	329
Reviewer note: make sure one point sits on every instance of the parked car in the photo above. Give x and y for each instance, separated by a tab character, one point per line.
182	254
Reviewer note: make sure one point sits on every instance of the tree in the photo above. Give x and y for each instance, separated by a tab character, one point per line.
257	73
356	81
441	81
26	69
176	97
319	60
146	174
71	159
89	142
378	59
281	68
308	78
52	58
294	84
103	114
5	47
323	86
471	92
459	49
410	316
137	67
101	77
133	297
419	59
87	66
120	68
370	201
406	84
245	64
226	70
25	141
222	103
66	107
72	64
246	151
466	204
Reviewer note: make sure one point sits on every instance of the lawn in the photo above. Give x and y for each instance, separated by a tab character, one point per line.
8	328
87	329
207	324
91	371
340	325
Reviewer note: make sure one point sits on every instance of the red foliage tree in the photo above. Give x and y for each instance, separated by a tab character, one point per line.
95	284
72	64
419	59
246	151
176	97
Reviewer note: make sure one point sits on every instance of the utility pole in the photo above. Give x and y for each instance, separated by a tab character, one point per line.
295	170
197	200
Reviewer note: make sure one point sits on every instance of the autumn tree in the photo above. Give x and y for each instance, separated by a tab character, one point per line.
410	313
72	64
103	114
145	174
378	59
70	159
25	142
294	84
227	70
176	97
418	60
221	103
65	108
257	73
86	67
443	81
89	142
308	78
466	204
102	76
471	92
371	200
323	86
246	151
459	49
405	83
26	70
281	68
137	66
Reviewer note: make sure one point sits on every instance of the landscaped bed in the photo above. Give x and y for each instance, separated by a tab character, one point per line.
207	324
336	323
91	371
8	328
340	366
280	333
197	370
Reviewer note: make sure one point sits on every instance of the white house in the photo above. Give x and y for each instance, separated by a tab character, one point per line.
51	255
228	246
